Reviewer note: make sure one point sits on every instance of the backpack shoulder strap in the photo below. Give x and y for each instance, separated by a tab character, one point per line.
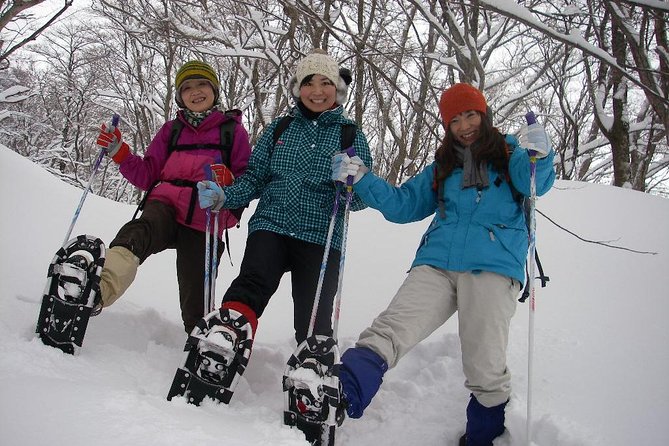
517	196
177	126
348	132
227	133
281	127
438	186
227	140
227	136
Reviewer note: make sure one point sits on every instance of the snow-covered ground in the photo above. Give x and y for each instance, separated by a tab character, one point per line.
600	365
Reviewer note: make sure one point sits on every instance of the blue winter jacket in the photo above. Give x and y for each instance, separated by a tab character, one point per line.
482	230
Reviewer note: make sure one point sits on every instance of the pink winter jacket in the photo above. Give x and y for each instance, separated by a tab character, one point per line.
187	165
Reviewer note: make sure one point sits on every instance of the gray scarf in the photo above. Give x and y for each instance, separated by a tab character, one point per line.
472	175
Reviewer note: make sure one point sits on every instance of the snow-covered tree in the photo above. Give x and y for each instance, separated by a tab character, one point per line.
594	72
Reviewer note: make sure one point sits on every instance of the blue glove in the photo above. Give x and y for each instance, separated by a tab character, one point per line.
534	137
361	374
210	195
344	166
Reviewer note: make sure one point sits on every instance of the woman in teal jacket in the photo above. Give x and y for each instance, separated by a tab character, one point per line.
291	177
471	259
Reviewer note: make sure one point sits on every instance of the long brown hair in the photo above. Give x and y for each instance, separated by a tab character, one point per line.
490	148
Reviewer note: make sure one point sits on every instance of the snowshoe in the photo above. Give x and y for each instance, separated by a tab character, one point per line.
217	352
72	292
312	395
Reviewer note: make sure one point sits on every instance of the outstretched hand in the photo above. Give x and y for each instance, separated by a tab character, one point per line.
534	137
210	195
344	166
111	140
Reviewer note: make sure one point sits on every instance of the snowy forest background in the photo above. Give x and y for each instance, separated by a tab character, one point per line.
596	74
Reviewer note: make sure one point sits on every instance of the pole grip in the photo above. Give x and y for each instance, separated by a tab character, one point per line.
115	119
208	172
531	118
351	153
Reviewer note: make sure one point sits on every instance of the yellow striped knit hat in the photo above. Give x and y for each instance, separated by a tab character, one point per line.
195	69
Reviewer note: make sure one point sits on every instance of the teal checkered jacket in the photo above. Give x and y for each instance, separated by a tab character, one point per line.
293	181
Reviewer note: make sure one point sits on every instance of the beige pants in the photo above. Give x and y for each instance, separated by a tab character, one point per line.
427	299
118	273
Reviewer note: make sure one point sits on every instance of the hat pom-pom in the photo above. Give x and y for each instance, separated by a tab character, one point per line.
345	74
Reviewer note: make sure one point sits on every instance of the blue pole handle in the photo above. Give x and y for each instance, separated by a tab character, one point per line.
208	173
351	153
531	118
115	119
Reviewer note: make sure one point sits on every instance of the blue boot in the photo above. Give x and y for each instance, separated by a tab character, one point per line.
484	424
360	374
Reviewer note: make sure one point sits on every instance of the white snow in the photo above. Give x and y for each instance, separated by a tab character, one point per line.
600	361
306	379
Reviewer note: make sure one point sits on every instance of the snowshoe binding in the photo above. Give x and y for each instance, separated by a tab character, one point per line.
72	293
217	352
312	395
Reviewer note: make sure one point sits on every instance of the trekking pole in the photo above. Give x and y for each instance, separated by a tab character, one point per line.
96	166
211	252
207	261
207	251
214	263
349	188
349	193
531	119
349	196
326	253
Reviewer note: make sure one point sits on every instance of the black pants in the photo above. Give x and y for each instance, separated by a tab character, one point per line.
157	230
267	257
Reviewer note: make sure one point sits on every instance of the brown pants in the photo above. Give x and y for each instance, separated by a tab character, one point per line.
157	230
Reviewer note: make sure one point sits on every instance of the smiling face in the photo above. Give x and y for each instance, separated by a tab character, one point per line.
197	95
466	127
318	94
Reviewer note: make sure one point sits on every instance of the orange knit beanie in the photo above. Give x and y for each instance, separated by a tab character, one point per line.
461	98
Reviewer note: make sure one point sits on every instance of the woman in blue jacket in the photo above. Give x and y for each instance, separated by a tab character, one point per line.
471	259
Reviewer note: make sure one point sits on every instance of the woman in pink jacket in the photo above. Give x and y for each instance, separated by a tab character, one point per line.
177	158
